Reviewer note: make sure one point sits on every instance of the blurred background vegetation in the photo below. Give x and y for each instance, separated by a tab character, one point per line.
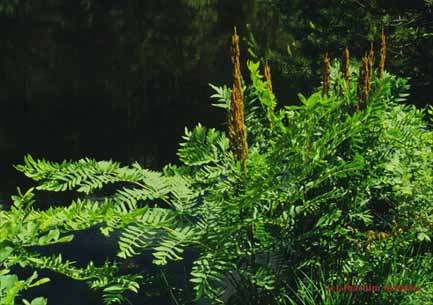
121	79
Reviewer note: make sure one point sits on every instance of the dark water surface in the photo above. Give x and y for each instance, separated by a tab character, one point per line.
111	80
90	245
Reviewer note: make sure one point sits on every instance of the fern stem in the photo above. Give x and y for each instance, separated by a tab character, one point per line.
326	75
237	132
268	78
346	67
364	82
169	288
382	55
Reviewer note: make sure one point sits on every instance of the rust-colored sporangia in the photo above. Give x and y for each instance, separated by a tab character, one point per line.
382	54
345	67
237	132
371	52
364	82
268	77
370	65
326	75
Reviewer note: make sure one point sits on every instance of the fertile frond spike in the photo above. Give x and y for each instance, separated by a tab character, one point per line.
371	51
326	75
370	64
237	132
382	54
364	82
268	77
345	68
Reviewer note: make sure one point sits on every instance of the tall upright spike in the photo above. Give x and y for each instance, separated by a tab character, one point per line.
364	82
268	77
237	132
382	54
345	67
326	75
370	64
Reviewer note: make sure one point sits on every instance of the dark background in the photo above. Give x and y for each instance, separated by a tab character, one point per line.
121	79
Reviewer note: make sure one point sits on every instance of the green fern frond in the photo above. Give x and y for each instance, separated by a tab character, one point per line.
208	274
11	287
171	246
260	88
105	277
140	235
223	97
203	146
79	215
113	290
86	175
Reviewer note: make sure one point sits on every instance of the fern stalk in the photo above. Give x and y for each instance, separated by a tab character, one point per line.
268	77
370	64
237	135
345	67
237	132
326	75
364	82
382	54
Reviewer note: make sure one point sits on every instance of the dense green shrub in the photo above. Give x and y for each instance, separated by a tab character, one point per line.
332	193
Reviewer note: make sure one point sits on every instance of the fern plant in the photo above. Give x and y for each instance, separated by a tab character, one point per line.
328	185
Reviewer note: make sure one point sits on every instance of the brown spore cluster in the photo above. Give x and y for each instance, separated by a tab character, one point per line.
237	131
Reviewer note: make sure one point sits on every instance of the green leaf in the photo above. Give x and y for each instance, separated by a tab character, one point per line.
423	237
39	301
5	252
